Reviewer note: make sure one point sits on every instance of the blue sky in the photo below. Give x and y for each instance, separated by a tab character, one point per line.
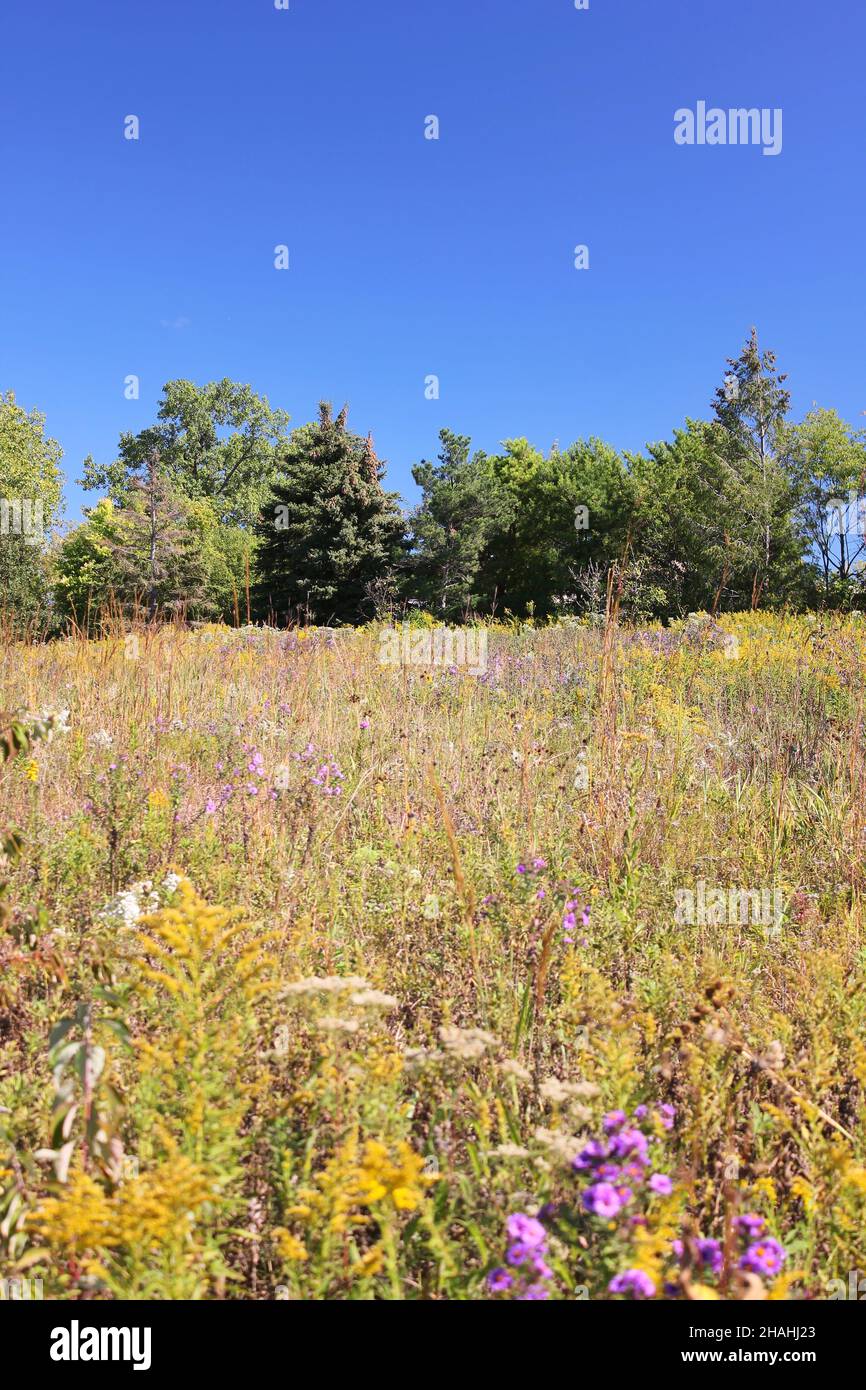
412	257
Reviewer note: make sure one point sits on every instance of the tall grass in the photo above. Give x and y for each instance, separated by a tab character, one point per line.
318	973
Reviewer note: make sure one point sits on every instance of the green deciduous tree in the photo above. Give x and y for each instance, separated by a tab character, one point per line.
30	501
219	442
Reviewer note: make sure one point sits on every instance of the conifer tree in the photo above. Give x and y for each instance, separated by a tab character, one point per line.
330	538
156	561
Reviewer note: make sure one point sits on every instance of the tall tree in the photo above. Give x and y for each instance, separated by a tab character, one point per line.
220	442
30	501
330	539
829	458
461	508
83	566
157	560
751	406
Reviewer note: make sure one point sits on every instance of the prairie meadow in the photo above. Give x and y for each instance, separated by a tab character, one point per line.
331	971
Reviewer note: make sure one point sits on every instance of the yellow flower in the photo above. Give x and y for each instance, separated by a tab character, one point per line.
157	800
31	770
855	1177
79	1219
370	1264
291	1249
400	1181
765	1187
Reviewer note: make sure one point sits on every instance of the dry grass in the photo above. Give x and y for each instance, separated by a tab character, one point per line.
219	1134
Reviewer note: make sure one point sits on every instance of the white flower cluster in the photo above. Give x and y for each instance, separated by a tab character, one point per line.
127	908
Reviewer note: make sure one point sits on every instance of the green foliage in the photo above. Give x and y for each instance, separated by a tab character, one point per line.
329	537
31	482
156	562
220	441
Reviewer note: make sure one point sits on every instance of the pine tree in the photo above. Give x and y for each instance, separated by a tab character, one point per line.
460	509
155	556
330	538
751	406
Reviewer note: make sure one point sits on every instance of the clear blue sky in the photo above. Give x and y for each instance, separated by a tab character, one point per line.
411	257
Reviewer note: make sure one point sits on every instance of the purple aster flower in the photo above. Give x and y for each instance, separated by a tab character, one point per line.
710	1252
764	1257
527	1230
535	1293
614	1120
661	1184
592	1153
630	1143
668	1115
498	1280
751	1224
602	1200
633	1281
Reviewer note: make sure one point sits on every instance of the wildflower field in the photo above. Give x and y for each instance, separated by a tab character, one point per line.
328	977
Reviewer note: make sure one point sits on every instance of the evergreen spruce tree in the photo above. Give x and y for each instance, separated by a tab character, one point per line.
330	539
155	558
751	473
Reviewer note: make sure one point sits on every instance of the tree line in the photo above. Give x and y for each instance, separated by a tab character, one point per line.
220	510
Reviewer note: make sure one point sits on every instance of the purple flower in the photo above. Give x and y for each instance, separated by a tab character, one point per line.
710	1252
539	864
764	1257
661	1184
535	1293
751	1224
614	1120
630	1143
527	1230
633	1281
592	1153
498	1280
668	1115
602	1200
